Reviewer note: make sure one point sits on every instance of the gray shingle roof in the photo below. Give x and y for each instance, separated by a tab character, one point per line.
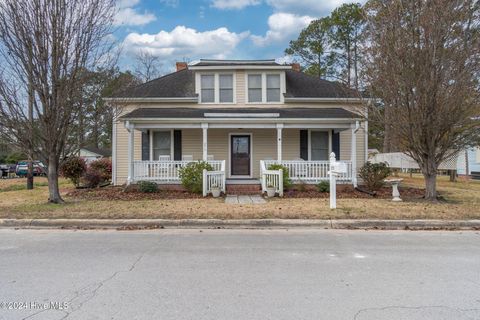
196	113
301	85
181	84
209	62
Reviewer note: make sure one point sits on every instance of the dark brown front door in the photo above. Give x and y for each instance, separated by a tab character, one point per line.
240	155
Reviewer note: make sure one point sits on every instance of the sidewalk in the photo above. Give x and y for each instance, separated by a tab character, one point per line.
242	224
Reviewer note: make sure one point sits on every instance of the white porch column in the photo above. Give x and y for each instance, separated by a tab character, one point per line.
131	150
353	154
279	141
205	141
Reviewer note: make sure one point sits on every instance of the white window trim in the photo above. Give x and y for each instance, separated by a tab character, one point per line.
310	143
264	87
230	134
151	142
198	86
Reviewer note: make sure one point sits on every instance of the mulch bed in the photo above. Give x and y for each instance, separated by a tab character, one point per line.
118	193
348	192
345	192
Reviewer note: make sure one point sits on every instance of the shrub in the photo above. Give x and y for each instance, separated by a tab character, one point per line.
301	186
323	186
373	174
192	175
147	186
104	167
73	168
287	183
92	178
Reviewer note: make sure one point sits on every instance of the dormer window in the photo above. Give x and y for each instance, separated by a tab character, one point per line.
226	88
264	87
208	88
273	88
254	88
217	88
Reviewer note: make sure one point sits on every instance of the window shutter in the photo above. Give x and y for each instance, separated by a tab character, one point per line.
336	144
177	144
145	145
304	144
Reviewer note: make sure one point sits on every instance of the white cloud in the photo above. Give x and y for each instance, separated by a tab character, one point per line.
184	42
233	4
282	26
313	7
128	15
170	3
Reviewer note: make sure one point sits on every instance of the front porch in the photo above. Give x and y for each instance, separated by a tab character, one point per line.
240	146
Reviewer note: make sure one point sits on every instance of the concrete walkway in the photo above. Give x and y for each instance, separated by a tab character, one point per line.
245	199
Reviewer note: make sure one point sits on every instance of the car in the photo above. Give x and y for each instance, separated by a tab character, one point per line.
4	169
22	168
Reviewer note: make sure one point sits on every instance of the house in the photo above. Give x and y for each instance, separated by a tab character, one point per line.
241	116
90	153
468	163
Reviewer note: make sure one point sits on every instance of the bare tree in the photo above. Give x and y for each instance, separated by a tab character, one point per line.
423	63
147	65
53	41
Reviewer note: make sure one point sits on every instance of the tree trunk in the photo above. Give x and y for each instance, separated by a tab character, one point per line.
53	191
430	186
30	171
453	175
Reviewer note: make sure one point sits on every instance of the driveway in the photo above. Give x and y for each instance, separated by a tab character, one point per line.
239	274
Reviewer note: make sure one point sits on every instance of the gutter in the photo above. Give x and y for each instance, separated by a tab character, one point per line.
343	100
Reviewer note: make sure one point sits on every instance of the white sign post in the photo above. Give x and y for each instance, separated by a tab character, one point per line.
336	168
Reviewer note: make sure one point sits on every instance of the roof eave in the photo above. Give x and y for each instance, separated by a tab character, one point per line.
152	99
312	99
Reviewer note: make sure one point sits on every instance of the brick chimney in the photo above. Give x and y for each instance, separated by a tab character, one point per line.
296	67
181	66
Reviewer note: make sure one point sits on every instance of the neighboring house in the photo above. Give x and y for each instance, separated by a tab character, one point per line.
469	160
90	154
241	116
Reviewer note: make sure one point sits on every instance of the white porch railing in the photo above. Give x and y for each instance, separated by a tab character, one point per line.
214	179
271	178
165	171
311	171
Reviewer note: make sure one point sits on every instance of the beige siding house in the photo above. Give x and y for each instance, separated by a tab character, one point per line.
241	116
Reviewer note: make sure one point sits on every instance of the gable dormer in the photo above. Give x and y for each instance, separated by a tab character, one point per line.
240	81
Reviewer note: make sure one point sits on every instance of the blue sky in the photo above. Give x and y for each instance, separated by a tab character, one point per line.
177	30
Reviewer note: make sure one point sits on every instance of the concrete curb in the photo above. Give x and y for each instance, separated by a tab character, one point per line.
241	224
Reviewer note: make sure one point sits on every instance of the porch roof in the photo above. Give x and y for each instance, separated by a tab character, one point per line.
234	113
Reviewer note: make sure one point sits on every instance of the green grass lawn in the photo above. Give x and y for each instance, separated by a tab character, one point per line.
462	201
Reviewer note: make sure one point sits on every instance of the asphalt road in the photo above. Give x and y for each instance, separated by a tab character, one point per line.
240	274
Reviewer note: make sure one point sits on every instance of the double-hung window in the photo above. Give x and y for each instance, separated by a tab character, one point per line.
319	145
254	88
264	88
207	82
273	88
225	83
161	144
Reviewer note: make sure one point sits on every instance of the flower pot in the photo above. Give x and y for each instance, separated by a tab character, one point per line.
216	192
270	192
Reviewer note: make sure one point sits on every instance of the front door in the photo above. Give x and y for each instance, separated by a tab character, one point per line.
240	155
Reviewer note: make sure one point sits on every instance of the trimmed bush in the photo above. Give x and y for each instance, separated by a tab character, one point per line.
192	175
323	186
104	167
92	178
73	168
373	174
287	183
147	186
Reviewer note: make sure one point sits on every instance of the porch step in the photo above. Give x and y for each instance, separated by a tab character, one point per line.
243	189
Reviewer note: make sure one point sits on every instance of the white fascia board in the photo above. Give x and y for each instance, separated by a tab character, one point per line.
128	100
236	120
241	115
